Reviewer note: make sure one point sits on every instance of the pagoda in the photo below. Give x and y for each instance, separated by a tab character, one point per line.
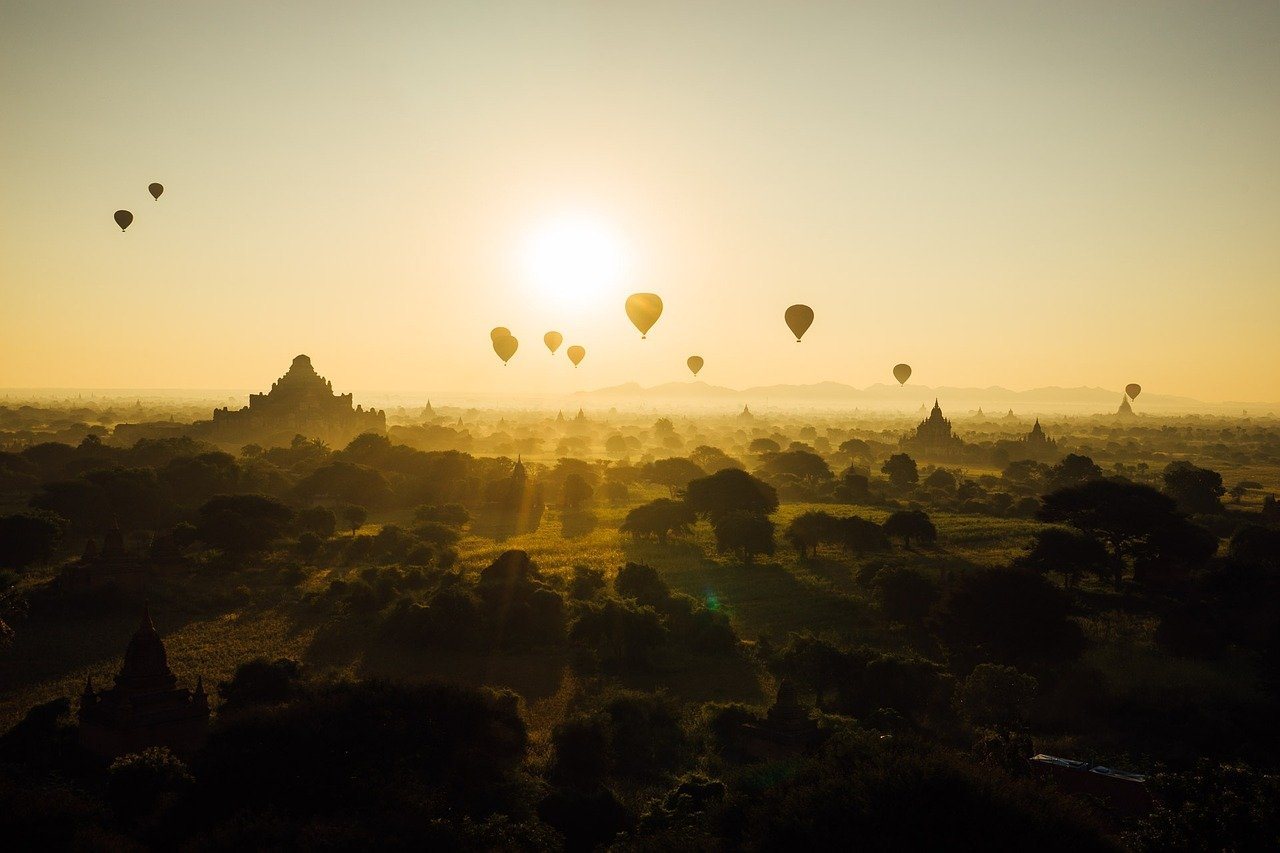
934	436
145	707
301	402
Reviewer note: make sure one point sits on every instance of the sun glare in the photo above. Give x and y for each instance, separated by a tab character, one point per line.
575	260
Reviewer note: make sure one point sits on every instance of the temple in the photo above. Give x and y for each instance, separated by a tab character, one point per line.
934	436
1035	445
787	730
301	402
1125	410
146	707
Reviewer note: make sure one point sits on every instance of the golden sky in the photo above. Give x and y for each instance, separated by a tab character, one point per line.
1017	194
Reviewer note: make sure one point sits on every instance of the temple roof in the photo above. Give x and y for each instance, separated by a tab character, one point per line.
146	664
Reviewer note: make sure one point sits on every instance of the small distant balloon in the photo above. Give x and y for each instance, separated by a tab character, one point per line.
505	346
902	372
695	363
499	332
553	340
799	318
156	190
124	219
576	354
644	309
1133	389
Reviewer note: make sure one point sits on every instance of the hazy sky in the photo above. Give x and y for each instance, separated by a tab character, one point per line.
1016	193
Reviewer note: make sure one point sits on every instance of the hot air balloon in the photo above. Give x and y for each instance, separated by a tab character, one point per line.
553	340
644	309
1133	389
799	319
505	346
156	190
499	332
124	219
695	363
902	372
576	354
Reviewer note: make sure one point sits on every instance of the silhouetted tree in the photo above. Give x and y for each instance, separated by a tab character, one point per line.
761	446
809	530
1138	524
796	463
731	490
861	536
1009	616
904	595
659	518
744	533
1071	553
674	473
576	491
712	459
29	537
1073	470
242	524
1198	491
346	481
941	479
909	525
355	517
996	695
901	471
318	520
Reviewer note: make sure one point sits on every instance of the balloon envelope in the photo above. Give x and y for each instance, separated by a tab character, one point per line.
644	309
124	219
553	340
799	319
576	354
155	190
1133	389
505	346
499	332
902	372
695	363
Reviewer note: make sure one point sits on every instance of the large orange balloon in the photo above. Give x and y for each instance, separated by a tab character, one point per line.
499	332
644	309
1133	389
695	363
902	372
576	354
505	346
155	190
553	340
799	319
124	219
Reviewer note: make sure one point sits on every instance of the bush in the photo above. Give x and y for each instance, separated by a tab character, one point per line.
1009	616
995	695
1191	630
454	515
904	595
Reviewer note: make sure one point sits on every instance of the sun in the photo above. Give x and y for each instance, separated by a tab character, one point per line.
575	261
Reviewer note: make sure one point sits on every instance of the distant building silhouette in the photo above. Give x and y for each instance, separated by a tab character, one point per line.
934	436
145	707
1125	411
1035	445
301	402
787	730
746	415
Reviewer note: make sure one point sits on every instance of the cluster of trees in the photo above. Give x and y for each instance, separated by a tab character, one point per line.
737	504
634	623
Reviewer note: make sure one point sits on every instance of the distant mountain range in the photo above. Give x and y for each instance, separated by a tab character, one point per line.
994	400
